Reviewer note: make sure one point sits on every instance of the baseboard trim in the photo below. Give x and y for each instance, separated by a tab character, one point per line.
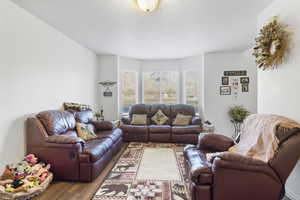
291	195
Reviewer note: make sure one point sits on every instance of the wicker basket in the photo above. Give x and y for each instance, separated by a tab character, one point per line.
29	194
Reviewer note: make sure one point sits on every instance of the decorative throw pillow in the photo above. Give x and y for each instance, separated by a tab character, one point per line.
139	119
182	120
160	118
85	131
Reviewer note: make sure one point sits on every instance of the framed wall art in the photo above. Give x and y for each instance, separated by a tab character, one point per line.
225	80
245	87
244	80
225	90
235	73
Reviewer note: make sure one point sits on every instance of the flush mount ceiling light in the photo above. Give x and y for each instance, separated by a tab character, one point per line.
147	5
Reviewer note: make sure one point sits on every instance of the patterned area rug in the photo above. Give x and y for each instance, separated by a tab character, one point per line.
133	178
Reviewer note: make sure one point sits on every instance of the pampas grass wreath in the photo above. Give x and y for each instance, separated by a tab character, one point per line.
272	45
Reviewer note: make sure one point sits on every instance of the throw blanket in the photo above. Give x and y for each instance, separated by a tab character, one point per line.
258	135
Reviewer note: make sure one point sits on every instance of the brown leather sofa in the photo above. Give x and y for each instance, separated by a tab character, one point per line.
162	133
235	177
52	136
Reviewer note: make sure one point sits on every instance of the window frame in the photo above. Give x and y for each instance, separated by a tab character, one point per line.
121	88
178	92
184	72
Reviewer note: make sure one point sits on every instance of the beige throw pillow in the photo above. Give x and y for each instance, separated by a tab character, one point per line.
182	120
160	118
139	119
85	131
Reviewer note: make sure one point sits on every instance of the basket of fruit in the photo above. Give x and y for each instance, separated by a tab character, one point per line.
25	179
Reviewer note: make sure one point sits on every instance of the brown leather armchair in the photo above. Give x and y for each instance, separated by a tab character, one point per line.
232	176
52	136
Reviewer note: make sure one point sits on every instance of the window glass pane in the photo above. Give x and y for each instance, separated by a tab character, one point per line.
151	87
192	88
169	83
128	90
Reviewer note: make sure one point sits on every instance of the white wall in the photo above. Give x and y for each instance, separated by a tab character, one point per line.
109	71
278	91
215	105
39	69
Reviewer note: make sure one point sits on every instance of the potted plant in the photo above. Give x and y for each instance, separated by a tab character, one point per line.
237	114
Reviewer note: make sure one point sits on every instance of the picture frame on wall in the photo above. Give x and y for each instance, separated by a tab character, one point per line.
225	80
235	73
225	90
245	87
245	80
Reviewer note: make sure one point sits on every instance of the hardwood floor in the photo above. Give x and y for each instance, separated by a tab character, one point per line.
75	190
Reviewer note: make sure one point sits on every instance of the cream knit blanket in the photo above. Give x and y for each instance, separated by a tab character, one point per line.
258	135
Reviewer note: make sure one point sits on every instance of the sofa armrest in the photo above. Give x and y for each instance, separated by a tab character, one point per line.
214	142
197	121
235	157
103	125
62	139
233	161
126	120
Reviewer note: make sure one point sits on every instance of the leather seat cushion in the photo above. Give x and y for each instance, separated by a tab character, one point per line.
114	135
97	148
135	129
159	129
192	129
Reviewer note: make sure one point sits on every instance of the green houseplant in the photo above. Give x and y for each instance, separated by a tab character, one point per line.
237	114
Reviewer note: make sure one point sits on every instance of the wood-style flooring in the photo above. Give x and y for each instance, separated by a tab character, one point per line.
77	191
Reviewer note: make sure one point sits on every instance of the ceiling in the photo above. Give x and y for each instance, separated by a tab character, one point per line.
179	28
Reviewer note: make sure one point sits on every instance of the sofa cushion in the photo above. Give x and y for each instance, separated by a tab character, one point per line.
85	131
192	129
75	106
165	109
182	109
97	148
160	118
182	120
114	135
159	129
134	129
139	119
84	116
103	125
57	122
140	109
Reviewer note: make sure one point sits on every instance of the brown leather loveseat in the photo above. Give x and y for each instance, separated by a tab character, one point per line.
52	136
162	133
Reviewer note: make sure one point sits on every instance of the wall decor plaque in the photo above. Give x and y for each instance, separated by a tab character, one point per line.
235	73
244	80
225	80
245	87
225	90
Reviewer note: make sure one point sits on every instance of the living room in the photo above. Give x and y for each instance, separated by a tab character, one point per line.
134	63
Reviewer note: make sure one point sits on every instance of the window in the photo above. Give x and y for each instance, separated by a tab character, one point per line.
128	88
160	87
192	79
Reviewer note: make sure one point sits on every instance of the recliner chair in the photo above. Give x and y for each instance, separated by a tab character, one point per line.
232	176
